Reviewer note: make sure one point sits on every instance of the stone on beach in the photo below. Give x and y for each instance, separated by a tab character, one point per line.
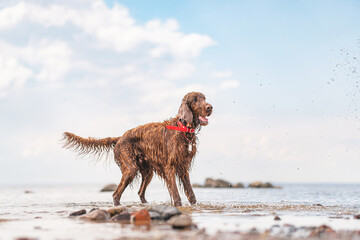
277	218
357	216
109	188
155	215
78	213
124	216
97	215
322	230
140	217
115	210
182	221
165	212
217	183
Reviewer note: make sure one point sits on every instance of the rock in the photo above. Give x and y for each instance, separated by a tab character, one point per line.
115	210
170	212
158	208
97	215
357	216
318	205
165	212
124	216
322	230
93	209
277	218
260	185
154	215
109	188
217	183
140	217
182	221
78	213
238	185
195	185
27	192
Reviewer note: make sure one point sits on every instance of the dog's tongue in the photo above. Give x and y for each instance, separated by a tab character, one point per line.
203	119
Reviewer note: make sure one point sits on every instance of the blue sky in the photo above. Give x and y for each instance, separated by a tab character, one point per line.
282	77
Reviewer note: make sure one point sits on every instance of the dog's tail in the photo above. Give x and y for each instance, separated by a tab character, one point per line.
83	146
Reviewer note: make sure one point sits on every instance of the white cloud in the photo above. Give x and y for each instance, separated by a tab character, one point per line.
222	74
12	73
113	27
229	84
157	49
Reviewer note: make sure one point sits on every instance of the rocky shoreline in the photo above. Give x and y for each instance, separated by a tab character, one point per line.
167	222
221	183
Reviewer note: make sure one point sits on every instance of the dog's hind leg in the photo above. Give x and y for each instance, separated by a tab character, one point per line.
126	179
126	160
146	175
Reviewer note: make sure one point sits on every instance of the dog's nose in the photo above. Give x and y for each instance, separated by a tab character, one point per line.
209	108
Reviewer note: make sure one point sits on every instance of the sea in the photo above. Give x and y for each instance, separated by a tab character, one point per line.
42	212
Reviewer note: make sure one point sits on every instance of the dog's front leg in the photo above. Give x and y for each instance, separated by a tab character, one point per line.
170	179
185	179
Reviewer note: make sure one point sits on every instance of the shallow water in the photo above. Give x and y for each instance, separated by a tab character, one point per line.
43	214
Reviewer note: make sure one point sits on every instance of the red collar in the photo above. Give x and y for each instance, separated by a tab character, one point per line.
181	128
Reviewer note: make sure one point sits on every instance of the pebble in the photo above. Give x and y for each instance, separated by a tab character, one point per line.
124	216
78	213
357	216
154	215
166	212
115	210
170	212
277	218
140	217
323	229
97	215
182	221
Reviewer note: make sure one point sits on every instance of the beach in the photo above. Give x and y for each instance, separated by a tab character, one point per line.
293	211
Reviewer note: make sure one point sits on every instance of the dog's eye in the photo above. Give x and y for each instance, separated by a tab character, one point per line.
195	99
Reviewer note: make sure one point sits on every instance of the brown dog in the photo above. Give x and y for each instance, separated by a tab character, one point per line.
166	148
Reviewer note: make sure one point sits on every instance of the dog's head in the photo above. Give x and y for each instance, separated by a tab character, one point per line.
194	110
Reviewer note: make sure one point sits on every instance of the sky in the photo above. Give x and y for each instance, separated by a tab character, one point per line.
282	76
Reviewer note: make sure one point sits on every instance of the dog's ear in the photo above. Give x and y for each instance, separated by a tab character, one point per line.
185	112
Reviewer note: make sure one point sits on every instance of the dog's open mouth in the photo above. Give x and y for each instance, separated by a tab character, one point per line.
203	121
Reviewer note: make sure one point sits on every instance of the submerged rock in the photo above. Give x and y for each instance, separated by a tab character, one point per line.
78	213
109	188
217	183
97	215
182	221
260	185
